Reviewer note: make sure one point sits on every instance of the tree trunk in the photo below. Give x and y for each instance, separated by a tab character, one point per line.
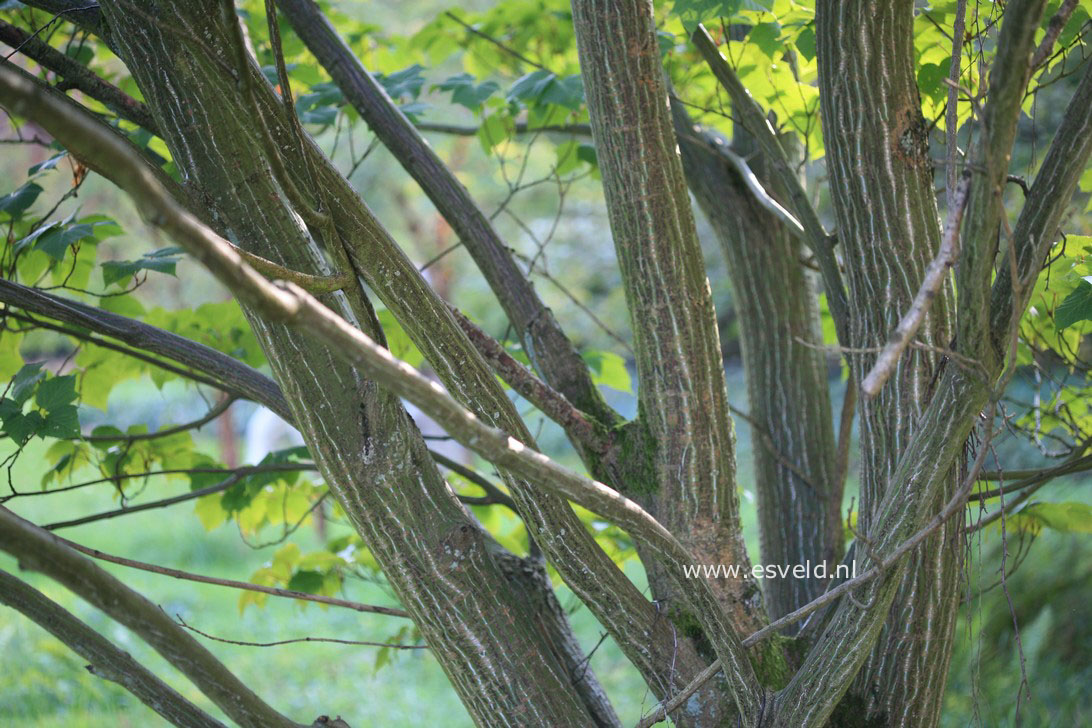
882	179
799	491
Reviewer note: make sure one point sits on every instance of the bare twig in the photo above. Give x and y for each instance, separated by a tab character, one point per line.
493	493
931	284
717	146
1027	488
117	477
392	645
484	36
197	424
522	127
48	25
192	495
231	583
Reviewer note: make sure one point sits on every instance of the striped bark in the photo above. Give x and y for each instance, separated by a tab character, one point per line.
799	492
882	180
682	396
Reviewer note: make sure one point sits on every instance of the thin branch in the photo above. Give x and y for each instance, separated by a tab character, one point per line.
226	373
41	551
1027	488
106	660
716	145
552	403
931	283
333	640
1075	463
231	583
163	503
193	376
56	17
754	119
484	36
240	378
197	424
116	478
493	493
87	156
1054	29
85	15
79	77
522	127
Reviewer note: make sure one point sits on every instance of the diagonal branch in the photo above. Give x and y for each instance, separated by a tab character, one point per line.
106	660
493	494
152	505
38	550
214	412
1054	29
754	119
297	640
78	76
88	156
1050	195
316	285
931	284
486	37
236	377
716	145
80	335
548	400
233	584
550	350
